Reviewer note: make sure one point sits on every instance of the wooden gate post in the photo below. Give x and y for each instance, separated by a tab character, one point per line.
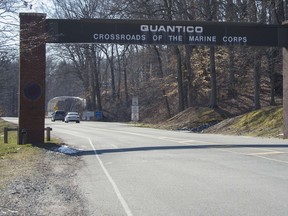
32	78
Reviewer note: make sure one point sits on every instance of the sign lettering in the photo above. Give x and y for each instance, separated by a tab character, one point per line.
165	32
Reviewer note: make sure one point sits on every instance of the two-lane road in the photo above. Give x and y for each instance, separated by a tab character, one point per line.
141	171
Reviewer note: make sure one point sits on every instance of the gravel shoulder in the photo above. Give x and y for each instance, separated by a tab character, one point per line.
49	187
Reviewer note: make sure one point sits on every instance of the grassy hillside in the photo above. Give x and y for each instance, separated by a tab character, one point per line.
267	122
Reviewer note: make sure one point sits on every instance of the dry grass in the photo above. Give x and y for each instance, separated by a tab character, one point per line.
15	159
267	122
193	117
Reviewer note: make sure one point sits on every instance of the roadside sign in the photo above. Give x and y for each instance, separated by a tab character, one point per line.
135	101
135	109
135	117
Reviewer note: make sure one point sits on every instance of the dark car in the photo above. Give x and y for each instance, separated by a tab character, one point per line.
58	115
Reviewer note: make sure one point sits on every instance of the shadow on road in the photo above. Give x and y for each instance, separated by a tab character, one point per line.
75	152
184	147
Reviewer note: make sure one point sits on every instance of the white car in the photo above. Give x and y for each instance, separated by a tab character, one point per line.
72	116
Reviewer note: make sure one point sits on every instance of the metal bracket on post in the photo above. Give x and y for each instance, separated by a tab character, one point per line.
5	135
48	137
24	134
6	129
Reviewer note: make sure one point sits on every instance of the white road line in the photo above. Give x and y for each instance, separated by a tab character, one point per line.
116	189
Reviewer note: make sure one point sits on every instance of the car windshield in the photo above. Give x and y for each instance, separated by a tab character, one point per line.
72	113
60	112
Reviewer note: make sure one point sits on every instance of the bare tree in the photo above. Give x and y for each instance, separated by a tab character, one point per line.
8	54
129	68
84	57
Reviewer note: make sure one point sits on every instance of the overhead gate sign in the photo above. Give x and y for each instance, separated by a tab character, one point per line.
165	32
36	31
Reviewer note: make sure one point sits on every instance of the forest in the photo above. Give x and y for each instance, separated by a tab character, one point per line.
166	79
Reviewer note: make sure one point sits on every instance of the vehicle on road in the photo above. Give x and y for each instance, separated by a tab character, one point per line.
58	115
72	116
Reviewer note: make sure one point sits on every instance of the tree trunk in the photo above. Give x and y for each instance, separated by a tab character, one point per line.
179	79
90	67
256	79
271	66
119	73
190	75
232	92
213	81
97	86
96	66
111	62
161	75
126	81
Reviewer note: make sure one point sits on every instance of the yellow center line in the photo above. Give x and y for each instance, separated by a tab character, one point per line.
264	149
223	148
266	158
234	152
267	153
184	141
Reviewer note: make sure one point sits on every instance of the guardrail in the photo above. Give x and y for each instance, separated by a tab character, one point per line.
25	134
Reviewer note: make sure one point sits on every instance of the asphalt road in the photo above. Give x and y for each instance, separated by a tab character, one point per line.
140	171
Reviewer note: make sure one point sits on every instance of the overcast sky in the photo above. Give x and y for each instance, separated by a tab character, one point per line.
9	22
39	6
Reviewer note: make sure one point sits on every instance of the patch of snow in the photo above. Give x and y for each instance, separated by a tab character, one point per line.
67	150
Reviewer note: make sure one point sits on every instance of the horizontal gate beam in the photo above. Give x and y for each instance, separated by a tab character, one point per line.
165	32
